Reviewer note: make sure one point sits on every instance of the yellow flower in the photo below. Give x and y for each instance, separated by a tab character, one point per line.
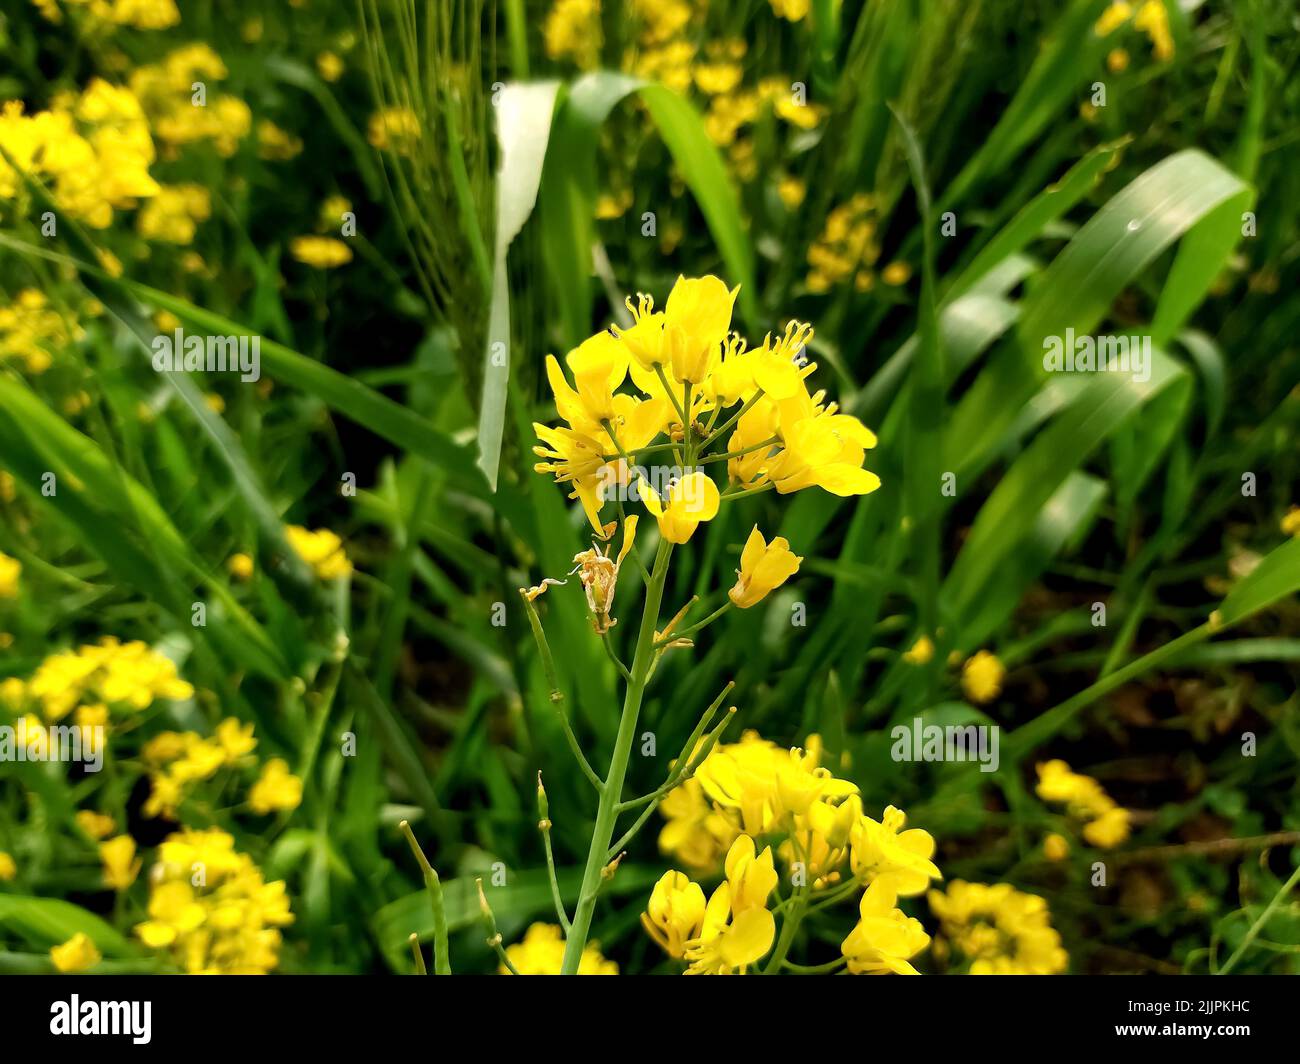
1001	930
120	863
240	566
572	31
697	833
763	568
688	335
1113	17
896	273
692	499
1056	847
1084	797
882	849
1153	20
1117	60
322	550
1291	522
75	955
173	214
884	938
791	10
922	651
542	952
275	144
394	129
674	913
128	675
96	825
792	191
321	252
1108	830
981	677
211	909
10	570
235	738
751	875
329	66
276	789
728	944
8	868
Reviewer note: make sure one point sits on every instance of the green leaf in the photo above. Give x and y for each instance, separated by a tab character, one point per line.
45	922
569	190
1274	578
523	114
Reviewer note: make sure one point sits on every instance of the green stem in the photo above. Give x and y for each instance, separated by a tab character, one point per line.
1259	924
789	925
695	627
744	409
612	791
441	954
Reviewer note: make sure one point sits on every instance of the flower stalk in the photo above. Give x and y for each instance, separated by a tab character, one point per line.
611	790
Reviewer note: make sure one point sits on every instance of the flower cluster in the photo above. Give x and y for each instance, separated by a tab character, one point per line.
93	150
686	368
107	14
178	760
321	549
32	330
1000	930
1107	822
1149	16
166	89
847	248
751	790
572	31
173	215
211	909
97	678
733	930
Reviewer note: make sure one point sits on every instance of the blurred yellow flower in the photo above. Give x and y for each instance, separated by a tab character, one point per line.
8	868
173	214
1084	797
96	825
572	31
999	929
394	129
981	677
322	252
322	550
542	951
276	789
75	955
275	144
120	863
10	570
210	907
329	66
1056	847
